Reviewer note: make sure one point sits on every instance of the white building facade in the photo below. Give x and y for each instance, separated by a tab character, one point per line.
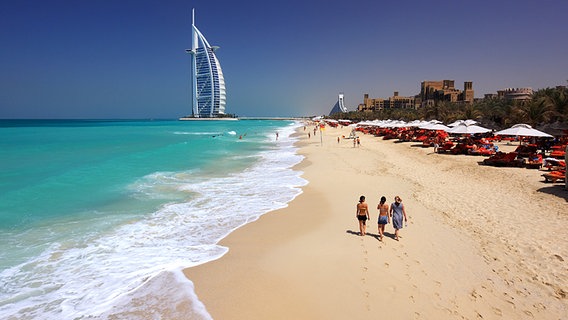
208	83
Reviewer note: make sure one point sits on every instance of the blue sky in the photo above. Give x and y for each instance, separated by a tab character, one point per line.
126	59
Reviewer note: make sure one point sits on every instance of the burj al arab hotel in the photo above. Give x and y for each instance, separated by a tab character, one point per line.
207	82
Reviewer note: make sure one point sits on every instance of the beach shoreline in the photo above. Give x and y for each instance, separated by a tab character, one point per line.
469	250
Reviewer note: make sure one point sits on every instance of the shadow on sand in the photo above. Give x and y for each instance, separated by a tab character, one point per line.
555	190
370	234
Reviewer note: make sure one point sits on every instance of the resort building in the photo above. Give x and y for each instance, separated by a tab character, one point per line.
515	93
339	105
395	101
520	94
208	84
433	91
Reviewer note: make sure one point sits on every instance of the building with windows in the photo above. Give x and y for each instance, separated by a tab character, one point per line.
395	101
519	94
208	84
515	93
433	91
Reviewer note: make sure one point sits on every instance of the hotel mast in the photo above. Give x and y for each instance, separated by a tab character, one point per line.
208	84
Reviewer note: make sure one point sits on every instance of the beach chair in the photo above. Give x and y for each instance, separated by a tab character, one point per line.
554	176
445	147
534	162
558	154
501	159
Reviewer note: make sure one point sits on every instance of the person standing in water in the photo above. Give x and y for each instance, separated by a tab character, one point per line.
384	218
362	215
397	212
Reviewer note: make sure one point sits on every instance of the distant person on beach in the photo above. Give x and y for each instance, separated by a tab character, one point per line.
383	216
362	215
358	142
397	212
276	135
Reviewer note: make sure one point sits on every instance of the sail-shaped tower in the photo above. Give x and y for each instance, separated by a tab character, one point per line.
339	105
208	84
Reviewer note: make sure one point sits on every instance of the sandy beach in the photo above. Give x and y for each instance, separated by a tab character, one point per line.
481	243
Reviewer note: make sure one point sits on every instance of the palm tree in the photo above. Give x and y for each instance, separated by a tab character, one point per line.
534	112
438	110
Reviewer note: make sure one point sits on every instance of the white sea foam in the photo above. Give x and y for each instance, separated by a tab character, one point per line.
103	275
197	133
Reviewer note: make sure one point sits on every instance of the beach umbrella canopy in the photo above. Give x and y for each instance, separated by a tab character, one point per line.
414	123
467	122
524	130
467	129
435	126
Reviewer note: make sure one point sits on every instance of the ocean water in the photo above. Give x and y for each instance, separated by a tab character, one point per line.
97	216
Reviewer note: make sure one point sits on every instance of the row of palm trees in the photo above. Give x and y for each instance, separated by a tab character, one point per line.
547	106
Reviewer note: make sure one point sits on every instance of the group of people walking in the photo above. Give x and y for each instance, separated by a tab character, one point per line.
395	211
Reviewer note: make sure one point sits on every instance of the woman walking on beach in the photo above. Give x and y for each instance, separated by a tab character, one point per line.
383	216
362	215
397	212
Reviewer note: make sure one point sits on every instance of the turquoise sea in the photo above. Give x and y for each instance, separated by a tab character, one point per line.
96	214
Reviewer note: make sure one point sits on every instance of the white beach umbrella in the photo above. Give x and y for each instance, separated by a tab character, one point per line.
367	123
435	126
399	124
465	129
467	122
522	130
415	123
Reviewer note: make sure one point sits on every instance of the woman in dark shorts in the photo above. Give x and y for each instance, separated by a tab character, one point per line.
383	216
362	215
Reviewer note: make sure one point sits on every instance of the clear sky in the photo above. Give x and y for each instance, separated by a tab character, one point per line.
126	58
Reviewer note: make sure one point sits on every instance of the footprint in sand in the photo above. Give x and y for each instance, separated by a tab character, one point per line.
474	295
498	311
387	265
